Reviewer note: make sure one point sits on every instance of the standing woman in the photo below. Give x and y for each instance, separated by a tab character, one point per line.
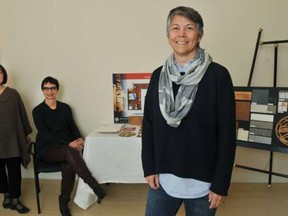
14	130
188	136
59	140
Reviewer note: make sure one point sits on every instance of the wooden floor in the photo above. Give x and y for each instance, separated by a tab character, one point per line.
129	200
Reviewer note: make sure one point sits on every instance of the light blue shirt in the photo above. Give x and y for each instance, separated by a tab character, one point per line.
185	188
185	68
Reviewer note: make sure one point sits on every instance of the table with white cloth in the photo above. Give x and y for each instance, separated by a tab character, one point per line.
111	159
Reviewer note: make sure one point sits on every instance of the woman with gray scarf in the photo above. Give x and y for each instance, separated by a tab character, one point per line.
14	130
188	140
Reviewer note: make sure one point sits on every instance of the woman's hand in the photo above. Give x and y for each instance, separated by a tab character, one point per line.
80	141
153	181
77	144
215	200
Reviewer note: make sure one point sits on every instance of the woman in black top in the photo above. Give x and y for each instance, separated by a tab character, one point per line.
59	140
188	135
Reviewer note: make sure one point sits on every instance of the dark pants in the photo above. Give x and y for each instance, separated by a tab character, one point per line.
72	163
10	183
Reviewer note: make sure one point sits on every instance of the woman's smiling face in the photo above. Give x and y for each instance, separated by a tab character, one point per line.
50	91
183	37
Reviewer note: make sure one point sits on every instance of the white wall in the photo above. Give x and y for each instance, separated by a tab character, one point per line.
83	42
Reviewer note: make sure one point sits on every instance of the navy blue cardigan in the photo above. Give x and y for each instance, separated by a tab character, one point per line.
203	146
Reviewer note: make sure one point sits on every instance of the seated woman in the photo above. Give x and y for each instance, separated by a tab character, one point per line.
59	140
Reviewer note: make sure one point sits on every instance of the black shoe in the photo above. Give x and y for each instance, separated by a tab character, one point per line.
6	201
63	206
65	211
99	191
15	204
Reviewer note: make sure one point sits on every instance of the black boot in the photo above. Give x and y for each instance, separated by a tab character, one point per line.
15	204
97	189
6	201
63	205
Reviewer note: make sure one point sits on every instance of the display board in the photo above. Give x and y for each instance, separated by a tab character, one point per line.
262	117
129	91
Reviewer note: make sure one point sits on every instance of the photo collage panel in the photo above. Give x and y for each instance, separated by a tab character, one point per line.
262	115
129	91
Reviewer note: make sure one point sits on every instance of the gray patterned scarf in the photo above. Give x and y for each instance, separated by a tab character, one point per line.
175	111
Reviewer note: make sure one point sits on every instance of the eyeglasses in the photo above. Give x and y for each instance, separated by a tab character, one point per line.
54	88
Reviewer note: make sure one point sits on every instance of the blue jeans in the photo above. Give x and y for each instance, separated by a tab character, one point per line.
159	203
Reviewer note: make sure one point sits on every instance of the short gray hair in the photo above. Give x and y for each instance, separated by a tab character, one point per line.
187	12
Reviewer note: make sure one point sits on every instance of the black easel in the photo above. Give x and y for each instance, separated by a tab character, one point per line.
272	149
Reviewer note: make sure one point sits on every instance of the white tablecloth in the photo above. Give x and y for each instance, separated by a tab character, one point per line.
111	159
